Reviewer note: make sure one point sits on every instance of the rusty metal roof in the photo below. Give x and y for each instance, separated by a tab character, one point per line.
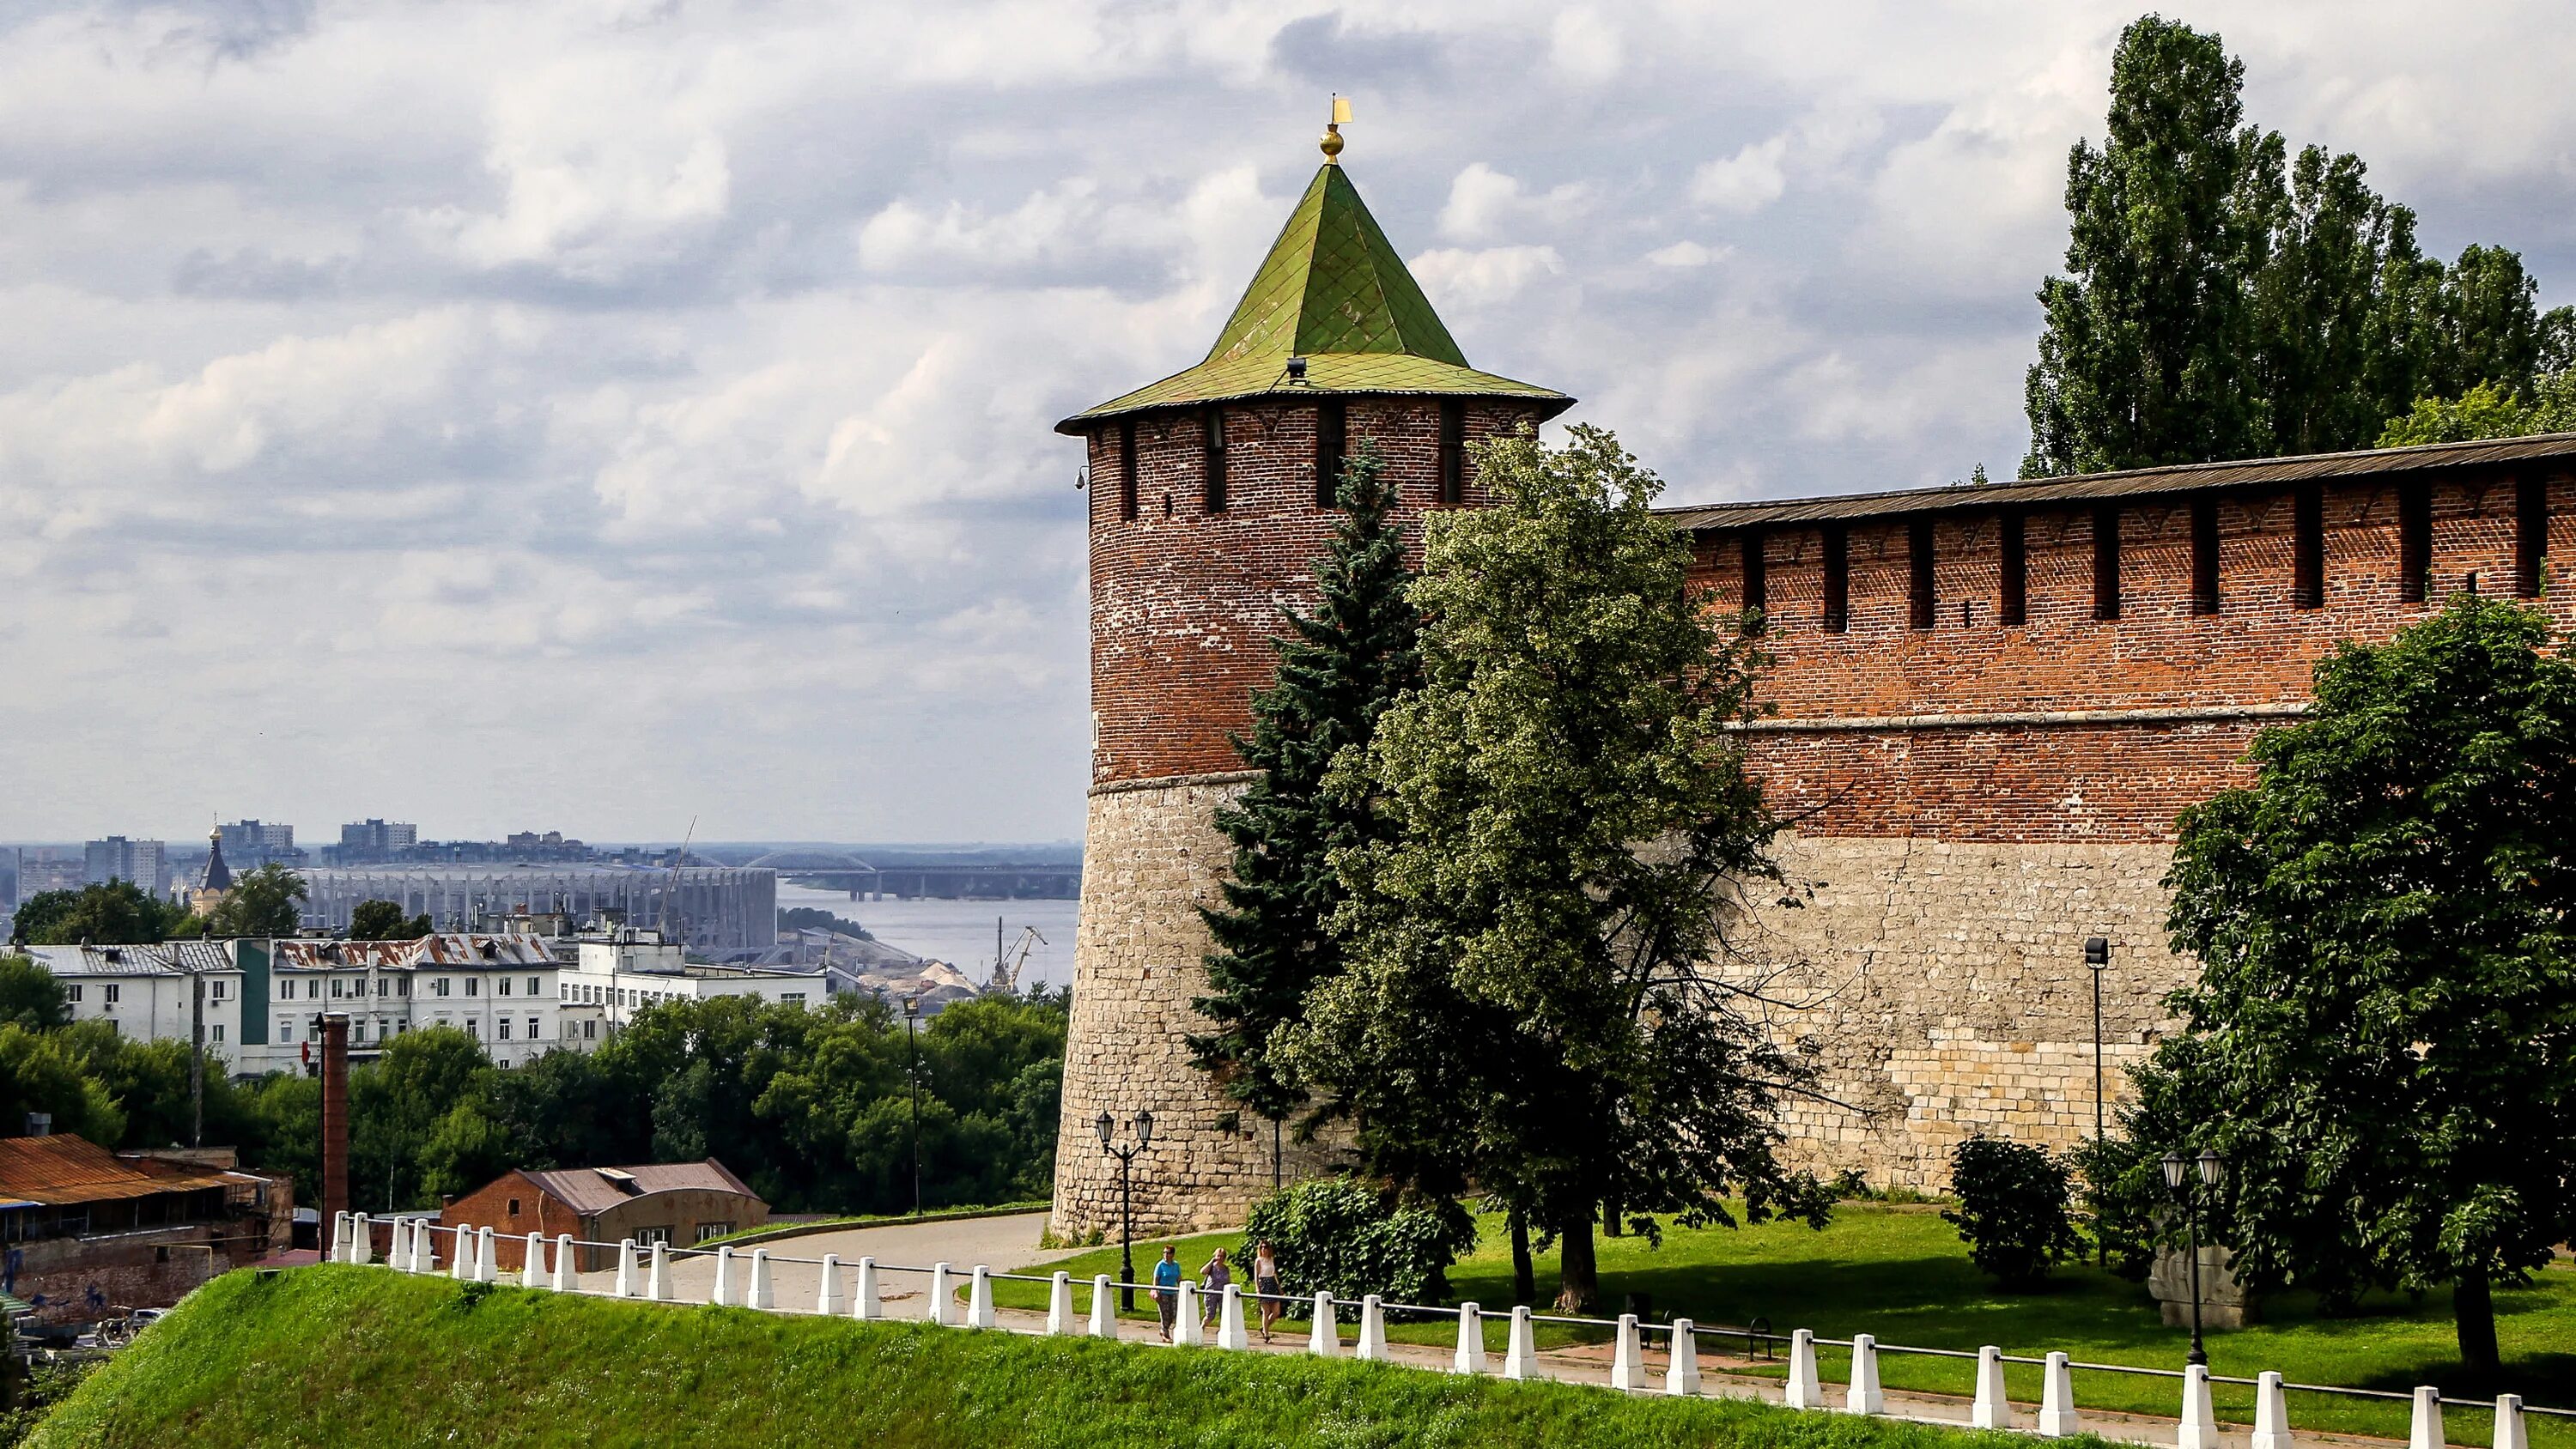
2134	482
591	1190
168	958
451	949
63	1170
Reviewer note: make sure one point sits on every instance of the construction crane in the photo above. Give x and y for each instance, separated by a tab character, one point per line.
1007	963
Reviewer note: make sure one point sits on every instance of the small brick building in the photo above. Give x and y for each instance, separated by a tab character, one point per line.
679	1203
87	1233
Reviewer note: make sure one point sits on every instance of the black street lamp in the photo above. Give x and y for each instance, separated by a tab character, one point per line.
912	1075
2179	1179
1108	1126
2097	954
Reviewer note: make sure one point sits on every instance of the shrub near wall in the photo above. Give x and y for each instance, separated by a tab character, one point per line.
1341	1236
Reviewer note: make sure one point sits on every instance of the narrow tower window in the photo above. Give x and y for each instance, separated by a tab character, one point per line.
1837	580
2530	535
1127	470
1918	558
2106	561
1453	452
2204	555
1328	452
2414	540
2308	548
1216	460
1757	588
2012	581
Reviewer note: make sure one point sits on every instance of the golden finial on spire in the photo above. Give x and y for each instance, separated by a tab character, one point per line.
1332	142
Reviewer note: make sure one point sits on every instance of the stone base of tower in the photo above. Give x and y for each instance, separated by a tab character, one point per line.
1151	857
1943	987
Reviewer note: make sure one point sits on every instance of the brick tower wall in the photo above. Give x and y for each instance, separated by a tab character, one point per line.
1972	801
1183	602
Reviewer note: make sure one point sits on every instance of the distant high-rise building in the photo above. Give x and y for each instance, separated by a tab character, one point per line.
364	840
117	858
254	842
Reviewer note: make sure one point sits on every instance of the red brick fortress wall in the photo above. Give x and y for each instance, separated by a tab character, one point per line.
1971	799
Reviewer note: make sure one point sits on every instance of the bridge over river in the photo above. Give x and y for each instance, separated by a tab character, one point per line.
981	881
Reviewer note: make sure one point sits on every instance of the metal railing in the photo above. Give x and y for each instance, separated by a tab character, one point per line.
745	1278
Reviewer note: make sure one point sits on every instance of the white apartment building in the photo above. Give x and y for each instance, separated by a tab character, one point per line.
499	989
149	992
615	977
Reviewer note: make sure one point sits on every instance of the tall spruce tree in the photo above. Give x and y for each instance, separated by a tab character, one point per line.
1340	666
2225	301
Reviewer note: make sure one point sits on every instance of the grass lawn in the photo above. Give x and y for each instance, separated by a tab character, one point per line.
1901	1274
334	1355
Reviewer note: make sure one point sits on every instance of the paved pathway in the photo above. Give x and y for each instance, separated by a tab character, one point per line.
998	1242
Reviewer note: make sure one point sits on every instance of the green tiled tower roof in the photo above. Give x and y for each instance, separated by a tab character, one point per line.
1334	292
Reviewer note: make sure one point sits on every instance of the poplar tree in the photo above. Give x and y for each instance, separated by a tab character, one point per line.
1340	665
2225	300
1540	1003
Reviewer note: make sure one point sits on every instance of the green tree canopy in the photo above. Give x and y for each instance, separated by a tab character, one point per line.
2224	300
1539	999
115	913
385	921
1339	668
262	902
2383	1036
2488	411
30	996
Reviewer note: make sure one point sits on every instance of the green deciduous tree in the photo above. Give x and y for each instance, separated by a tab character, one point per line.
385	921
1340	666
262	902
30	996
2383	1036
39	1073
1540	1000
115	913
2488	411
2223	300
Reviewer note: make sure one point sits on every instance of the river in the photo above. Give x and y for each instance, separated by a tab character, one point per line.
957	932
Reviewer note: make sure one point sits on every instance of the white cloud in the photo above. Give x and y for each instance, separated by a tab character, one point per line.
628	410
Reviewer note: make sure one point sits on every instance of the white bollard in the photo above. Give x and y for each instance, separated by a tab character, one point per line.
627	1285
761	1297
864	1302
1863	1396
1992	1409
979	1298
484	1257
2427	1430
339	1238
362	1240
940	1294
1627	1366
532	1262
1520	1351
1372	1329
1060	1303
722	1291
2057	1399
462	1267
2510	1431
567	1265
1104	1310
2199	1421
1681	1377
827	1297
657	1275
1805	1390
1185	1318
2271	1413
1470	1357
1229	1320
1324	1339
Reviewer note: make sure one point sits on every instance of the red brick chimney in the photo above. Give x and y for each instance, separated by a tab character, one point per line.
335	1121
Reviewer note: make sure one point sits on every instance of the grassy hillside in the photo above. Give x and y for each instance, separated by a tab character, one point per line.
338	1356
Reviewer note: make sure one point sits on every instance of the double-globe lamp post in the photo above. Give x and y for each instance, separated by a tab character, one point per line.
912	1076
1108	1125
2211	1170
2097	955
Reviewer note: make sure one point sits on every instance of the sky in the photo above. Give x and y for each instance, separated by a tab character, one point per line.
608	415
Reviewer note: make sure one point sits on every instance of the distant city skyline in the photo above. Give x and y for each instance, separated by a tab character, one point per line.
627	414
